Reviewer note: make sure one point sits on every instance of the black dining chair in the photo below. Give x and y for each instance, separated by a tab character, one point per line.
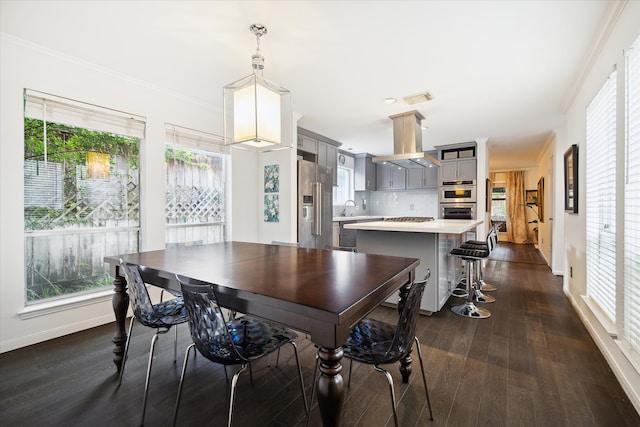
162	317
376	343
239	341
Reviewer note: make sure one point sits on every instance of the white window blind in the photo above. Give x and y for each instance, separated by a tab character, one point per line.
600	189
51	108
194	138
631	327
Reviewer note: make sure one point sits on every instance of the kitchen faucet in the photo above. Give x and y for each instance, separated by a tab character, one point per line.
344	212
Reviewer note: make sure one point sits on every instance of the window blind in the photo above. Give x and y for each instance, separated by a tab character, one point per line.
600	188
51	108
631	327
194	138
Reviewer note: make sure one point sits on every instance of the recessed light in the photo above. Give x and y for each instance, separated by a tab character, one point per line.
390	100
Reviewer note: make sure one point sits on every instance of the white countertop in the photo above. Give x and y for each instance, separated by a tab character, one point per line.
357	218
448	226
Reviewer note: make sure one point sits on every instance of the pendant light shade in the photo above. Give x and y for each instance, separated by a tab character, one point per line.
257	112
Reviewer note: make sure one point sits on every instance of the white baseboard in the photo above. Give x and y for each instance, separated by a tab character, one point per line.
48	334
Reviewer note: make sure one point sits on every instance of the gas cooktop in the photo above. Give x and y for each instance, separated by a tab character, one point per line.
410	219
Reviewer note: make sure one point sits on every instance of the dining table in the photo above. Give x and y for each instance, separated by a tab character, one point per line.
319	292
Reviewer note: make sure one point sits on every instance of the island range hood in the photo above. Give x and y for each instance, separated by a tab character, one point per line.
407	143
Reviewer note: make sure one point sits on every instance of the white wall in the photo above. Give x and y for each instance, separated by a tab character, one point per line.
25	65
608	54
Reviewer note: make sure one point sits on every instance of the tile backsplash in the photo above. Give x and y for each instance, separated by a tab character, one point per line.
393	203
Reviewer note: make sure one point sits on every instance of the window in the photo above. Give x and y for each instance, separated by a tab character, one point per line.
195	187
344	190
81	193
600	190
631	327
613	278
499	208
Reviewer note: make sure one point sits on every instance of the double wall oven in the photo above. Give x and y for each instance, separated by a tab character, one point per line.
457	199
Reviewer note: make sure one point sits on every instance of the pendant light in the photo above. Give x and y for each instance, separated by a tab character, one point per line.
257	112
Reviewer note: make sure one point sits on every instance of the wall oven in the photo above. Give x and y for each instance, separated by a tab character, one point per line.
457	193
457	211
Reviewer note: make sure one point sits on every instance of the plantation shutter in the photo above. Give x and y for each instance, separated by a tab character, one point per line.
631	328
600	204
51	108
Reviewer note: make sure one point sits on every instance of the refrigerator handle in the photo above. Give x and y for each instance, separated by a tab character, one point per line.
317	208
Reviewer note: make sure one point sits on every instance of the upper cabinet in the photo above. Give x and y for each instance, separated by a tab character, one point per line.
365	173
307	144
318	148
418	178
422	177
390	178
458	162
328	156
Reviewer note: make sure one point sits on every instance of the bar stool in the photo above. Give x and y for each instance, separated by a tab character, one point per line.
492	237
471	257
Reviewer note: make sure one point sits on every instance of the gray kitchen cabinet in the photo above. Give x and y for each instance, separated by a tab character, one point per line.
390	178
307	144
365	173
431	177
458	162
328	156
458	170
415	178
418	178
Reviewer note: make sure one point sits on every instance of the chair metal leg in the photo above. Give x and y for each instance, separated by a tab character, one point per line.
484	286
126	350
146	383
175	344
424	378
234	381
393	395
184	370
304	394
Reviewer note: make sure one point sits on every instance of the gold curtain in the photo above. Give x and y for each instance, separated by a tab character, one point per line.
516	205
492	181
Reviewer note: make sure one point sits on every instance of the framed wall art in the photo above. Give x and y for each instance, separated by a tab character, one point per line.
571	179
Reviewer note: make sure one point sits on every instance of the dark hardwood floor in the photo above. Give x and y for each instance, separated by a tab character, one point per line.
532	363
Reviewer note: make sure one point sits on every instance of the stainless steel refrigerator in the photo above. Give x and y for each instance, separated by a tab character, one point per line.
315	199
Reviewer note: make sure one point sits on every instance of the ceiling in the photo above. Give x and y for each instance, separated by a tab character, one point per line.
502	70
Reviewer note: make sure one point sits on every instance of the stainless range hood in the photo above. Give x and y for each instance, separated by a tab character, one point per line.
407	143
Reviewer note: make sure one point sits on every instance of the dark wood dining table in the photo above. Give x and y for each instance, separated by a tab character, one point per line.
320	292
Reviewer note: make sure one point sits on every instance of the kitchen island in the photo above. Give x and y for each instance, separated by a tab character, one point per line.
429	241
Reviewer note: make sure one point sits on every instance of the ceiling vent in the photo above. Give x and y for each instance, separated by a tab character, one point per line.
418	98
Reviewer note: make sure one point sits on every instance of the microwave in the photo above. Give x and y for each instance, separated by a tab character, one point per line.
457	194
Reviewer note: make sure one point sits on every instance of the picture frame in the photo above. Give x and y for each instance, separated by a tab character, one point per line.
487	198
571	179
541	199
532	197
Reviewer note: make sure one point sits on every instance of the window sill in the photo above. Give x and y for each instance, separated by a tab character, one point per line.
50	307
604	320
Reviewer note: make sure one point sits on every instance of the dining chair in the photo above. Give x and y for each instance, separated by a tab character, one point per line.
239	341
376	343
161	316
